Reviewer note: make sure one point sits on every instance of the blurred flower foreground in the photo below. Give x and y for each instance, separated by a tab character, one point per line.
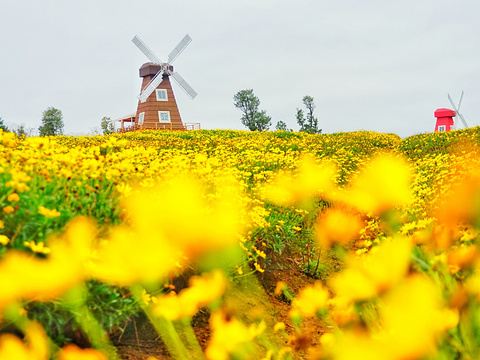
180	226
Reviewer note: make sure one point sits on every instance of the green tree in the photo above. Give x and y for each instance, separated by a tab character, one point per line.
52	122
21	131
281	125
107	126
252	118
2	125
308	124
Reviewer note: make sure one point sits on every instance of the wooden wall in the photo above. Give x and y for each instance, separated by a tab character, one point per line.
151	107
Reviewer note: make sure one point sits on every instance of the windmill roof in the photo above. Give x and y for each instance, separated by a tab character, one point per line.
130	117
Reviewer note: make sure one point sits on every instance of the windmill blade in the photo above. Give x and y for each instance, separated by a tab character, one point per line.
451	102
460	101
463	119
179	48
144	48
184	85
456	109
151	86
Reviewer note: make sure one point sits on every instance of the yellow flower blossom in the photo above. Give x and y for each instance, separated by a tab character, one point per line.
337	226
27	277
202	291
279	326
73	352
39	248
368	275
383	185
47	212
4	240
173	223
258	267
13	197
35	348
8	209
229	337
312	179
311	299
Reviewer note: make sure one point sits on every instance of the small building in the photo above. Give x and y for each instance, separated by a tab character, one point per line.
444	119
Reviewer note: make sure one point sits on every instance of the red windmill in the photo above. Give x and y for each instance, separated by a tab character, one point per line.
444	119
157	108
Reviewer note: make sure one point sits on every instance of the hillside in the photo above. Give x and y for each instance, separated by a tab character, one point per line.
232	244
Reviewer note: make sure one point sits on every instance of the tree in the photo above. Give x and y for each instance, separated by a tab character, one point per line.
107	126
252	118
310	123
20	131
52	122
281	125
2	125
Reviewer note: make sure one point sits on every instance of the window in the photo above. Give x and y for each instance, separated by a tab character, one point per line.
442	128
161	94
141	116
164	116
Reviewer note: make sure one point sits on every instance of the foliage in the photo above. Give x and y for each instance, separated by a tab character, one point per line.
310	123
2	125
52	122
253	118
108	127
281	125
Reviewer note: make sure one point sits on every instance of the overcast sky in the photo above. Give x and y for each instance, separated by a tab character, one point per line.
373	64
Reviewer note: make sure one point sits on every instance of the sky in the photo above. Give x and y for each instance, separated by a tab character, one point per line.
376	65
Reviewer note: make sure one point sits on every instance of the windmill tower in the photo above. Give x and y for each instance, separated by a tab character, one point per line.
157	108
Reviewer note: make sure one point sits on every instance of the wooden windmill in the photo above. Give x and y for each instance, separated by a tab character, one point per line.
157	108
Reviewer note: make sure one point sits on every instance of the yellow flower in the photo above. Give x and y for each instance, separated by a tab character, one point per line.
27	277
146	297
279	326
13	197
312	179
413	317
36	348
202	291
229	337
279	288
383	185
47	212
258	267
73	352
368	275
337	226
39	248
461	204
8	209
327	339
311	299
2	225
4	240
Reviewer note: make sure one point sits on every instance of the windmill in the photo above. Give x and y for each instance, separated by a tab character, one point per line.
157	108
457	110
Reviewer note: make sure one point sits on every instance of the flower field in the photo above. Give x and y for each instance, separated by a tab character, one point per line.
96	231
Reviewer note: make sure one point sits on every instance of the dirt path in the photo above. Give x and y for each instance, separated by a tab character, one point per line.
247	301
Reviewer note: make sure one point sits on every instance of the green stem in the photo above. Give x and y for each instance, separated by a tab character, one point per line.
75	302
167	332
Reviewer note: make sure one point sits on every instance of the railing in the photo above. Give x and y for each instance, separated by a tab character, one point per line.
158	126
